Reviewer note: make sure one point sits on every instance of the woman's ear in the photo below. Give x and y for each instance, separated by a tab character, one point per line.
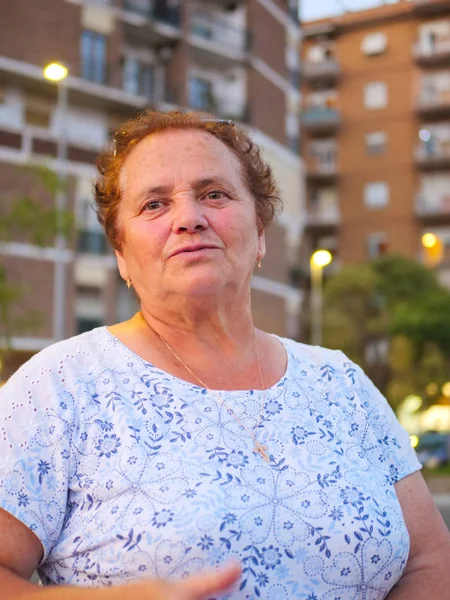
121	265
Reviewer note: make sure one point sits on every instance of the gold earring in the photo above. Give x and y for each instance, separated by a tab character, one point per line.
258	264
128	283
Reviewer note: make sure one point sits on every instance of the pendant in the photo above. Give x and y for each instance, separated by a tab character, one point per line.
261	450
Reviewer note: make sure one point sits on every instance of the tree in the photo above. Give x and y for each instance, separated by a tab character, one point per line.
35	221
392	317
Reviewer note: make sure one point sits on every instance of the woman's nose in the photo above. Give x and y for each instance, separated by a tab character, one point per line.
189	216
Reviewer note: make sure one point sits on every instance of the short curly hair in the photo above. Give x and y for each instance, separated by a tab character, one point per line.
257	174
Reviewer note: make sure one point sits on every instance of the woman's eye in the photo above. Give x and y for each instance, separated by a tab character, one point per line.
215	195
153	205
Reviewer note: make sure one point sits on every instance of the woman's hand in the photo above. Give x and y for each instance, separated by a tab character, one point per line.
207	585
198	587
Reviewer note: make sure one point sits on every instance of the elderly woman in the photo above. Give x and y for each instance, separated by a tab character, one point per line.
137	459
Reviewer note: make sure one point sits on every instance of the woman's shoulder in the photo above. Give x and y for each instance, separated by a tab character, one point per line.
315	356
56	357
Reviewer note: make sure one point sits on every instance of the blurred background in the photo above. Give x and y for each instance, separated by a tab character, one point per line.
350	103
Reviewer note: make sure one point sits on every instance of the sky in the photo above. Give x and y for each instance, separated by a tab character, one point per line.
316	9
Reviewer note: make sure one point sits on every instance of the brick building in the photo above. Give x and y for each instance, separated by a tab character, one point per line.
376	131
124	56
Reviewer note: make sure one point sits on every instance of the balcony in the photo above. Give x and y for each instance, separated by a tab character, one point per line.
322	173
326	71
216	43
434	103
323	218
161	12
238	113
433	158
432	54
433	209
151	22
430	7
321	119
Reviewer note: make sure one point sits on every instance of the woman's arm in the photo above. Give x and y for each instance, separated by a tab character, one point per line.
427	573
21	551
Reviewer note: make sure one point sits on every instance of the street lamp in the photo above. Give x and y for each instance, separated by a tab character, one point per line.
57	73
433	249
319	260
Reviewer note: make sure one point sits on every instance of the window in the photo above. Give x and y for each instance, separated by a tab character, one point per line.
294	78
141	7
92	242
376	143
323	153
293	9
89	309
84	325
376	95
320	53
376	245
374	44
138	77
376	194
434	37
93	56
294	143
201	94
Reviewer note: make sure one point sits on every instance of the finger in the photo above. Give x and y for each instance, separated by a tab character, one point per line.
202	586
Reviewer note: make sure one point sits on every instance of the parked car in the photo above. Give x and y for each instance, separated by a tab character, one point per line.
433	449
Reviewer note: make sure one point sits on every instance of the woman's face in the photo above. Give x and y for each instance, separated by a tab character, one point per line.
187	221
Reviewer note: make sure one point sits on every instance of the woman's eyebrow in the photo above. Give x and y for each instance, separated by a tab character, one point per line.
201	183
158	189
196	185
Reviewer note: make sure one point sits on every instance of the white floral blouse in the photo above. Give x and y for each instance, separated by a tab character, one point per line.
125	472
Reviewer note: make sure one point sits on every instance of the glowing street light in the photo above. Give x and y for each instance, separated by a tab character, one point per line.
57	73
321	258
318	260
433	249
429	240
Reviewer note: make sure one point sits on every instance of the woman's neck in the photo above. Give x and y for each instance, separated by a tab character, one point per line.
211	322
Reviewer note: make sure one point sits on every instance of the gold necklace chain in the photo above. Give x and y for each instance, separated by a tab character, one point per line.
258	448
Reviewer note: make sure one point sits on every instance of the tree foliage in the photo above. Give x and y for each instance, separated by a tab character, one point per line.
35	221
391	316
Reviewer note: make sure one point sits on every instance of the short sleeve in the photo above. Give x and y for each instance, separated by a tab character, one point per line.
35	423
394	449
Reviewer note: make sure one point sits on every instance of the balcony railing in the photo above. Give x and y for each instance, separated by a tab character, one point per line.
434	102
321	217
215	30
433	157
321	118
322	171
159	11
429	206
327	69
432	53
92	242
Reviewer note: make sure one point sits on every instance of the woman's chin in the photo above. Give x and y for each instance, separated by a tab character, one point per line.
200	285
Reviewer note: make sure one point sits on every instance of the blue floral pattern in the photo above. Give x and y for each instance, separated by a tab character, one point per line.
125	472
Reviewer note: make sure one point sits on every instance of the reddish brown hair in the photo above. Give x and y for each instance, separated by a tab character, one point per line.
257	174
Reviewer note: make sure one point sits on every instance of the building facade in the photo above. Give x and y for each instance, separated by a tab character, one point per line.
376	131
124	56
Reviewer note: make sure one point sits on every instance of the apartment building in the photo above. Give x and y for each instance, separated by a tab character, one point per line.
376	131
124	56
